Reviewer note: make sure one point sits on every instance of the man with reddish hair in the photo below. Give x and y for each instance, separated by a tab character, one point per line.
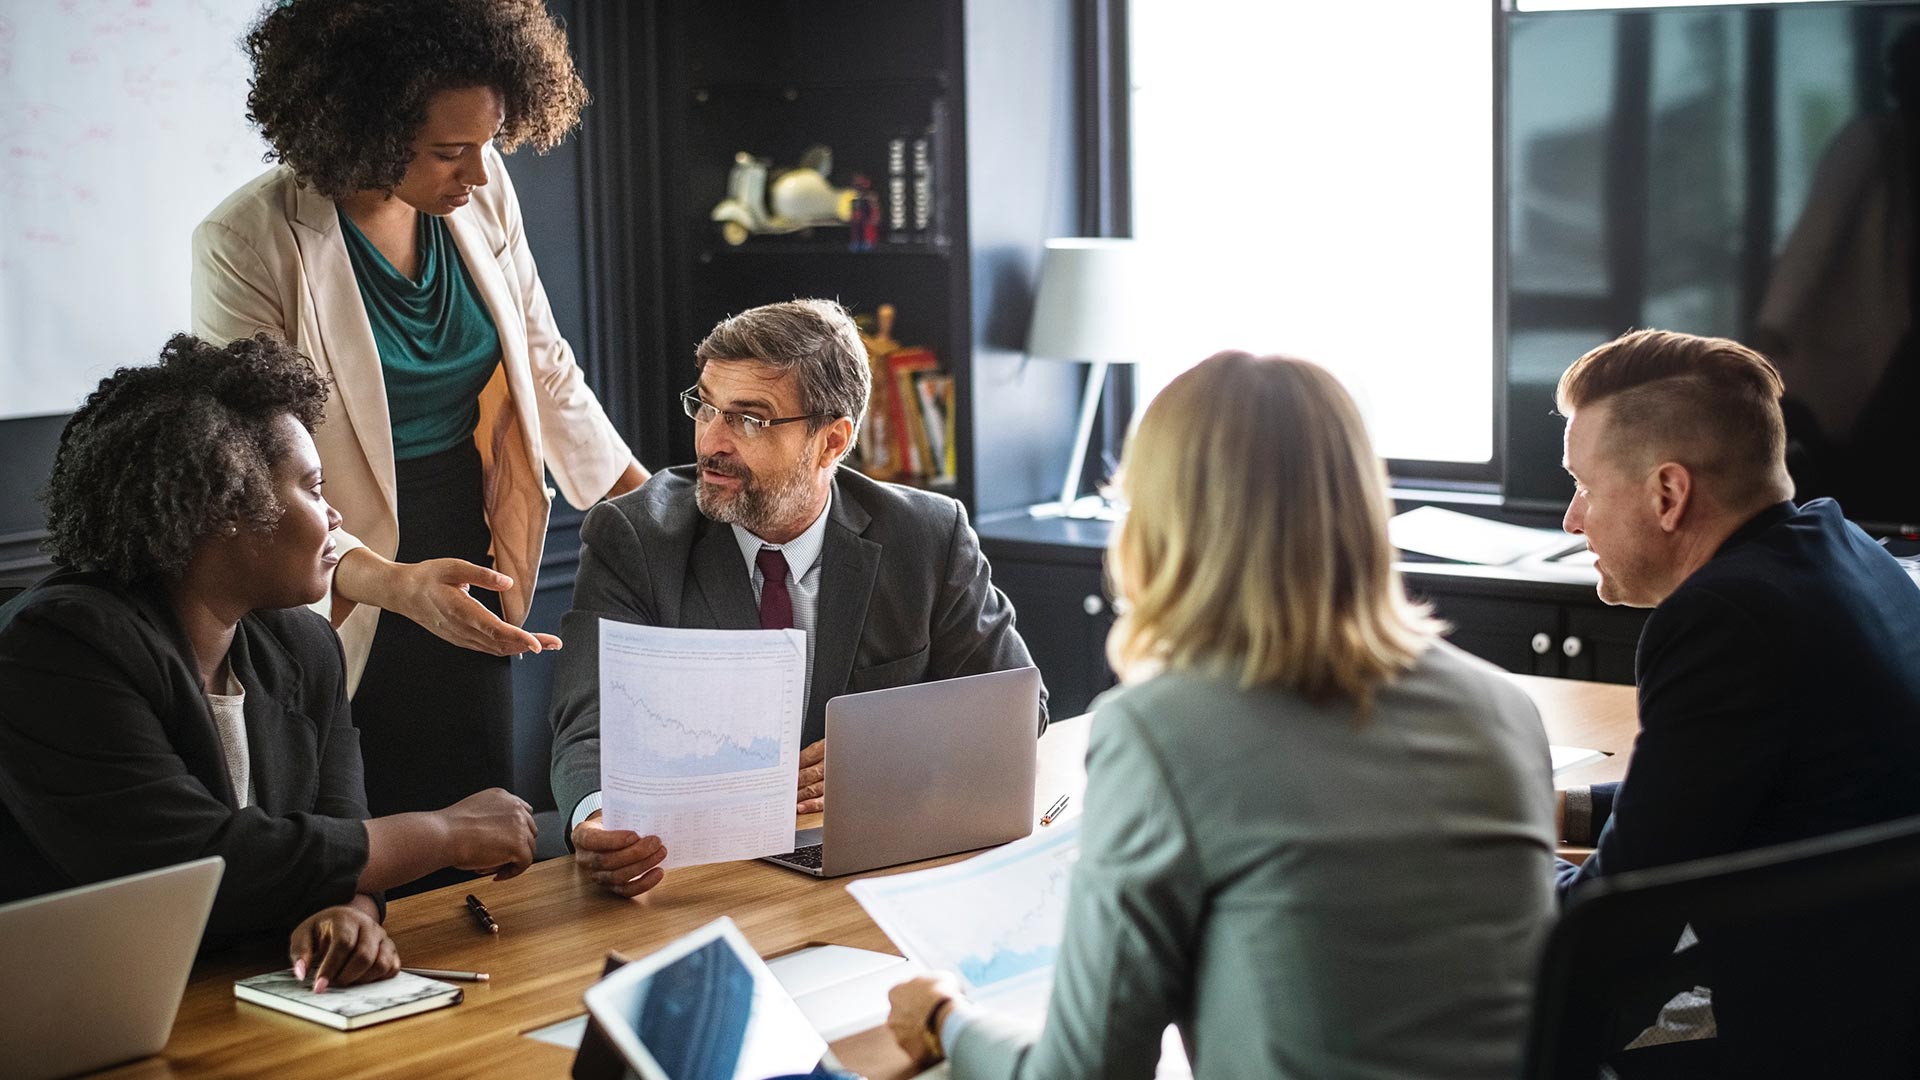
1779	674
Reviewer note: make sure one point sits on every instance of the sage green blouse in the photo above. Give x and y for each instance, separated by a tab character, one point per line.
438	345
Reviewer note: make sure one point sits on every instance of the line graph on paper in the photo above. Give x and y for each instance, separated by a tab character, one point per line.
996	919
1031	941
696	728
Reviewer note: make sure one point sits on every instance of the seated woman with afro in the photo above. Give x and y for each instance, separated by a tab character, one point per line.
168	695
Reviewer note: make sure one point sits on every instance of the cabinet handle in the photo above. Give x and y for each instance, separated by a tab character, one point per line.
1571	647
1093	605
1542	644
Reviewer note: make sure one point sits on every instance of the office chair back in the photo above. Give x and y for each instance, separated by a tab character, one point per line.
10	590
1812	951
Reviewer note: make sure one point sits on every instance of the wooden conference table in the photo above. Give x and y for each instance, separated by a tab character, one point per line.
556	928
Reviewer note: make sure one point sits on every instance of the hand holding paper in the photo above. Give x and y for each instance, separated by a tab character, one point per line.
699	738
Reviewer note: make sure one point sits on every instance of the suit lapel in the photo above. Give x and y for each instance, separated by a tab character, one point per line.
280	742
849	563
344	335
213	772
720	576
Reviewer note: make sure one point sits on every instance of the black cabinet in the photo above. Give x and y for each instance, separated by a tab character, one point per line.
1051	571
1528	625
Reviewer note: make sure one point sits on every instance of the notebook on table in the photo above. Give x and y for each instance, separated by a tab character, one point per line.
348	1007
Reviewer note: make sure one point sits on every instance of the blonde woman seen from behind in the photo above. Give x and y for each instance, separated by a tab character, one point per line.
1316	837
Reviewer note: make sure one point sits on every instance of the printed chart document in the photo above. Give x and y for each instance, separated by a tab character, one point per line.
700	737
995	920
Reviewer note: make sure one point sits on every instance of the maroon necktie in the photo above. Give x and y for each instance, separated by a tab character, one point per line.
776	606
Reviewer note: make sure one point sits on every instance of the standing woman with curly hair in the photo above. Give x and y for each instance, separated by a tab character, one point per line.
388	246
170	698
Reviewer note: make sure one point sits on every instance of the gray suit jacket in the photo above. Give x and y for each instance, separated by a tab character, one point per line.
1307	895
905	597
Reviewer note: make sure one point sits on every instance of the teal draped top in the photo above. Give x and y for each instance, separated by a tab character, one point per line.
438	345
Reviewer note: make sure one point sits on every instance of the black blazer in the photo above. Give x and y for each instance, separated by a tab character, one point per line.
905	597
110	763
1779	693
1780	699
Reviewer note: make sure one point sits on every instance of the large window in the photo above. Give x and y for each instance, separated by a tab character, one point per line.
1320	175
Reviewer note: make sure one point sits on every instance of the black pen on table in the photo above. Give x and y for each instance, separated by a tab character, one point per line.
1054	811
480	915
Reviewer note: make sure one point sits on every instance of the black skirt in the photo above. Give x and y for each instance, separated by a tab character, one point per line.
435	720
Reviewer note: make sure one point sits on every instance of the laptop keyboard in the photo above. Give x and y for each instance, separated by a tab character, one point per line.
808	857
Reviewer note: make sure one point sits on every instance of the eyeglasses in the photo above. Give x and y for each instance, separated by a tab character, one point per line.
745	425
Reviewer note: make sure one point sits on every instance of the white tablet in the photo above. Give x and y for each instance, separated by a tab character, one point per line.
706	1008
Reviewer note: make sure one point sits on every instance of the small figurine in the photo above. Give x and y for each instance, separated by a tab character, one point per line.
863	228
800	198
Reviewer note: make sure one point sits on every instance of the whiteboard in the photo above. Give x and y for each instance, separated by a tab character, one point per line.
122	124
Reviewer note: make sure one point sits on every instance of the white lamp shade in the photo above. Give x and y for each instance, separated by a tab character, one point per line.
1093	302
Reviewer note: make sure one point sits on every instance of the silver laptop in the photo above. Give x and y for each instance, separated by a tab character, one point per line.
920	771
93	975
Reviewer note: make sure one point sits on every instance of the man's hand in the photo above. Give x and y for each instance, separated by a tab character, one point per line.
491	832
350	944
811	797
626	863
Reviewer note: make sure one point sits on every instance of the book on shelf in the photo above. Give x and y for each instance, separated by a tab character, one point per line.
910	430
899	210
922	164
934	390
908	434
348	1007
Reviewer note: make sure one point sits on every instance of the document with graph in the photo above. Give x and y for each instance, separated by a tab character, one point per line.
700	737
995	920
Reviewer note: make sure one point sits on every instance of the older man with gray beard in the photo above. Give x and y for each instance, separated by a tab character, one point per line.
766	531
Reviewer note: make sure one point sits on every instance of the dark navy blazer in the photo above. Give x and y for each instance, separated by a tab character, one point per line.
1780	700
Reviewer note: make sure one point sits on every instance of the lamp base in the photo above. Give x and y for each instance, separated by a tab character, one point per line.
1084	508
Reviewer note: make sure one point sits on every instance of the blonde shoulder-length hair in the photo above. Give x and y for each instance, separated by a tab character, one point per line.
1256	543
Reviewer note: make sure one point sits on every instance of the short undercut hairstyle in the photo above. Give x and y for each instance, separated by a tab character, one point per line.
162	456
340	87
816	340
1710	404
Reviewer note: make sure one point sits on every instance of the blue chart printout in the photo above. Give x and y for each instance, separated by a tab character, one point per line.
700	737
996	920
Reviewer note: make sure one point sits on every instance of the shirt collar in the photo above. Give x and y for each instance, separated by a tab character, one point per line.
1757	524
801	552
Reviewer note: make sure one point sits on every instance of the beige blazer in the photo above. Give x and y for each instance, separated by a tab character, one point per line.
271	257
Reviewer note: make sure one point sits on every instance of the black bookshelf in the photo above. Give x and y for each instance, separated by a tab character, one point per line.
774	78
